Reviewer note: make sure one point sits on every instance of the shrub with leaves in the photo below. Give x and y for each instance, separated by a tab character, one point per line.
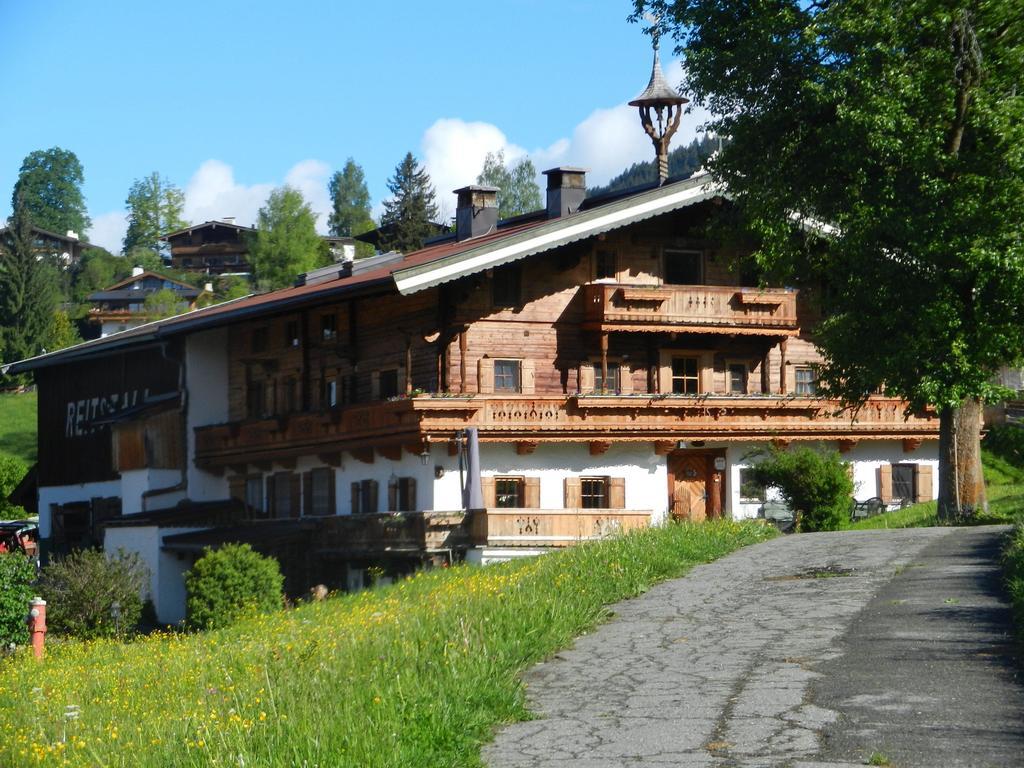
17	573
81	589
228	583
12	470
815	484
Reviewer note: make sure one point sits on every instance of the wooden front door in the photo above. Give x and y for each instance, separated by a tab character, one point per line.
688	478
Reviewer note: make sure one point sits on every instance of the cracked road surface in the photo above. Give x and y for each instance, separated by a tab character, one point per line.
810	650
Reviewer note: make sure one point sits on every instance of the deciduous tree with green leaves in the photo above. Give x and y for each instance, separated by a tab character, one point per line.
49	185
155	208
286	243
900	126
350	206
412	208
517	184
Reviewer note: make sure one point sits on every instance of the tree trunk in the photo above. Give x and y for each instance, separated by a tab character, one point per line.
961	484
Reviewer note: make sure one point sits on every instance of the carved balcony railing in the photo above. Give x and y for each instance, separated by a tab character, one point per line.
390	427
552	527
702	308
393	532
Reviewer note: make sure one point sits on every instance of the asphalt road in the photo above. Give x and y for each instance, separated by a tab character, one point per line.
808	651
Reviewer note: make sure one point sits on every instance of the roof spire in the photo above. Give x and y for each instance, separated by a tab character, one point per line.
660	103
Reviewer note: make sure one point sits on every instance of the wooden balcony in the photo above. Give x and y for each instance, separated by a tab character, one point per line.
390	427
690	308
395	533
552	527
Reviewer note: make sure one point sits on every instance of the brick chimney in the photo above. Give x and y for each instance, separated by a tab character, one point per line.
567	187
476	212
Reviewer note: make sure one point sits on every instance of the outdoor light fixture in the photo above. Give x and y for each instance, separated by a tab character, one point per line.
425	454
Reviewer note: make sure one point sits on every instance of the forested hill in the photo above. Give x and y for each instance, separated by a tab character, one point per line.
682	161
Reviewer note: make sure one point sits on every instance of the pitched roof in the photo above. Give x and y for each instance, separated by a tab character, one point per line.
144	274
213	224
435	264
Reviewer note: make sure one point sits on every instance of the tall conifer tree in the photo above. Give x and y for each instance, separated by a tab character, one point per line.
412	209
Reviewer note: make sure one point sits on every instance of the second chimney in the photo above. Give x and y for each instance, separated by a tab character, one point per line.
476	212
567	188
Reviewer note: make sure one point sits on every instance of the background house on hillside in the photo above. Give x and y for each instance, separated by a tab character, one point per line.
62	250
213	247
123	305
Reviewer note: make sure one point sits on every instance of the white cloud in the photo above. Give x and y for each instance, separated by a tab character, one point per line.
606	142
108	230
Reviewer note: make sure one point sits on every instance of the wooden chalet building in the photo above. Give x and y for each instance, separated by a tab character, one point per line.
614	366
64	251
123	305
213	247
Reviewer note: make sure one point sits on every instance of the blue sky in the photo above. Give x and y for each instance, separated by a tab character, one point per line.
230	99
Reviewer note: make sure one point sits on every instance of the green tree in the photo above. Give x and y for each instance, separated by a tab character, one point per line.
28	292
517	184
286	243
164	303
901	126
61	332
350	206
412	208
96	270
154	208
815	484
49	185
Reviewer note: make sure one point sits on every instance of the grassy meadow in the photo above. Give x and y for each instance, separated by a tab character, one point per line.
18	426
415	674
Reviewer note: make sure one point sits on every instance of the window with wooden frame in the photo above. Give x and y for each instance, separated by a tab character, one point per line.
683	267
384	384
318	496
283	494
328	327
510	492
255	399
905	482
507	376
291	333
736	375
402	494
806	380
614	383
506	286
254	493
595	492
364	497
329	397
620	376
515	492
290	396
685	375
605	265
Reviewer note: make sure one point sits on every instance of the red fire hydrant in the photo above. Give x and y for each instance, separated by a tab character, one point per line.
37	625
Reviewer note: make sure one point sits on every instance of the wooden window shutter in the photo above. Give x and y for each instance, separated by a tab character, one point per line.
573	493
409	491
404	387
527	377
617	492
625	379
488	493
236	487
295	481
372	493
923	482
307	493
791	379
885	482
485	376
393	496
586	377
531	492
375	385
357	506
332	490
271	497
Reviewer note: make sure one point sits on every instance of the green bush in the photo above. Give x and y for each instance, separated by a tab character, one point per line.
12	470
1013	573
228	583
17	573
81	588
815	484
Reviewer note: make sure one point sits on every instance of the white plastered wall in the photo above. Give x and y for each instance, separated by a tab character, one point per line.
166	570
206	381
136	482
866	456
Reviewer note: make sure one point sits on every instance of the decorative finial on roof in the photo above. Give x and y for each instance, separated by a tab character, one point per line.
659	102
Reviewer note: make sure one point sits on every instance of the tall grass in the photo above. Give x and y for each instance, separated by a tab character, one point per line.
1013	573
18	425
416	674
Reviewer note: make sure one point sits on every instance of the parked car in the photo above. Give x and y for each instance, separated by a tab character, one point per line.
20	536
